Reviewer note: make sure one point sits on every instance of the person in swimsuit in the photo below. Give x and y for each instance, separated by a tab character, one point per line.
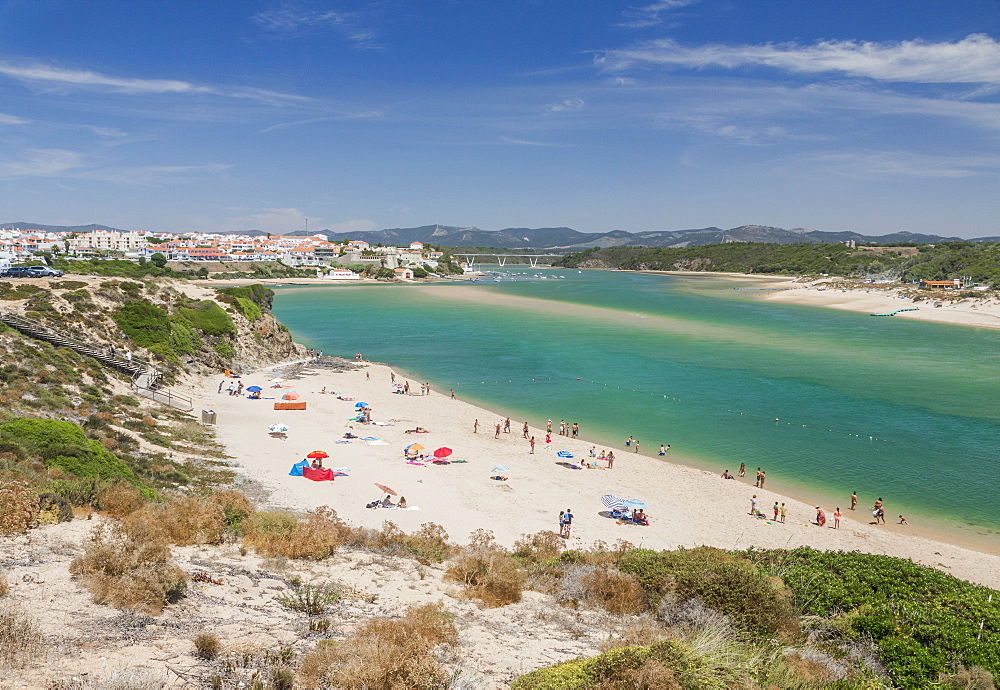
836	518
743	469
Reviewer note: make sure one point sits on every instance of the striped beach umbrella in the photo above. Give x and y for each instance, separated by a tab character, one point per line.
613	502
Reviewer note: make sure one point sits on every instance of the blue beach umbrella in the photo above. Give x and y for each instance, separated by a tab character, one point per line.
634	503
254	389
359	405
613	502
500	468
564	454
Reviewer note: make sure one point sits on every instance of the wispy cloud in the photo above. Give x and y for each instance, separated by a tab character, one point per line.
40	163
904	163
525	142
651	14
366	115
974	59
12	120
295	18
152	175
58	77
566	105
717	125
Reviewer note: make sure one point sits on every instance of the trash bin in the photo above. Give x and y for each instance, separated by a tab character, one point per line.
208	416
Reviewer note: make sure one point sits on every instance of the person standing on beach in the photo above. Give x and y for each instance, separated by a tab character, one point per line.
784	512
475	426
498	431
576	430
568	516
452	393
220	385
531	443
757	483
506	425
406	388
636	443
836	518
753	505
854	500
392	375
763	476
525	430
776	510
611	459
743	469
562	523
548	427
427	386
368	376
562	427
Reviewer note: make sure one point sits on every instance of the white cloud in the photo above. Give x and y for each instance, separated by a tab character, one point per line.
525	142
651	14
904	163
40	163
974	59
36	73
291	19
567	105
12	120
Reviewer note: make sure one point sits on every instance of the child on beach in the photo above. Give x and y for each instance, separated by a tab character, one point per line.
902	520
836	518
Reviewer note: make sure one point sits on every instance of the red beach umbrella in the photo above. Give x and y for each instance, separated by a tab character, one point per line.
290	395
319	454
442	452
388	489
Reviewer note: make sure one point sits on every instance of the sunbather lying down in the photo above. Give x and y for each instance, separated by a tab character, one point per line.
500	478
418	430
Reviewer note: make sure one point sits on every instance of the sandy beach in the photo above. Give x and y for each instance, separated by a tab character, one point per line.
687	506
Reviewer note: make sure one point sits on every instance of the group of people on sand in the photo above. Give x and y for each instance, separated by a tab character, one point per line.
606	456
387	503
781	512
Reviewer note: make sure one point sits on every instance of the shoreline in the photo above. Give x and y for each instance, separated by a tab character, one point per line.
688	506
847	294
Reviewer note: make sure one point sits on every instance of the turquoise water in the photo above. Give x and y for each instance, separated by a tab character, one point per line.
894	408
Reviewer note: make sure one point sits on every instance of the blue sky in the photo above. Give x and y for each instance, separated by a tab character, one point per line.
868	115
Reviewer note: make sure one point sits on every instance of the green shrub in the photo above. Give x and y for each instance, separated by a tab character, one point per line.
731	585
64	445
184	339
248	308
924	621
146	324
225	350
209	318
312	600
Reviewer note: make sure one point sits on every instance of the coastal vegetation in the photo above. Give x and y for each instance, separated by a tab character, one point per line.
979	261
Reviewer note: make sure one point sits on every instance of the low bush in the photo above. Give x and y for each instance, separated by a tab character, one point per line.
4	585
18	507
21	641
118	499
489	574
614	591
53	508
310	599
734	586
207	646
314	537
538	547
385	653
208	317
129	566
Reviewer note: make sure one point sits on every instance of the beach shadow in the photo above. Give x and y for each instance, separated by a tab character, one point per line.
569	465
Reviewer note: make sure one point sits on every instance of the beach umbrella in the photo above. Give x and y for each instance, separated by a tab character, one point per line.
320	454
634	503
290	395
414	446
278	428
388	489
359	405
613	502
500	468
254	389
442	452
564	454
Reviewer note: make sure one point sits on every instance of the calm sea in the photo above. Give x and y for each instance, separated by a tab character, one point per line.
826	401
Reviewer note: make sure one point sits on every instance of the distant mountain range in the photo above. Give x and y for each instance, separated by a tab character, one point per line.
567	239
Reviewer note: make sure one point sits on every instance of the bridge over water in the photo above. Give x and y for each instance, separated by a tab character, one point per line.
533	259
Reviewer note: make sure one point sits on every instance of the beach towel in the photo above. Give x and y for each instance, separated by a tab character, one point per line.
414	462
378	443
341	441
398	508
297	468
369	438
317	475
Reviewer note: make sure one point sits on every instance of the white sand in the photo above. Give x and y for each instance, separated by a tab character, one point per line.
687	506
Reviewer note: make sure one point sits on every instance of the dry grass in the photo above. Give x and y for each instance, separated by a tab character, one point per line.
196	520
4	585
489	574
207	646
119	499
385	653
612	590
317	536
535	548
129	566
18	507
21	641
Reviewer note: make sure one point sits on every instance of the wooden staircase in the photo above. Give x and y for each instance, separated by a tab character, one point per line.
146	378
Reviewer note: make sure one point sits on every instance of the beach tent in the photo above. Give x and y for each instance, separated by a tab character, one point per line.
298	467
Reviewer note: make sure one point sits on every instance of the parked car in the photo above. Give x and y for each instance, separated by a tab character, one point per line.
44	272
18	272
